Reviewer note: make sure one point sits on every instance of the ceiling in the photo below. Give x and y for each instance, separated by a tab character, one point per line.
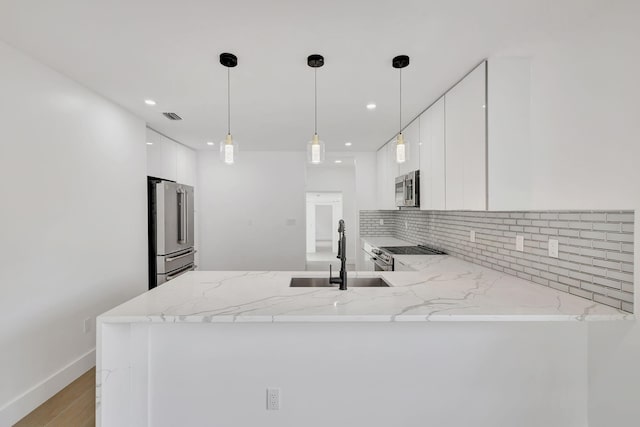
132	50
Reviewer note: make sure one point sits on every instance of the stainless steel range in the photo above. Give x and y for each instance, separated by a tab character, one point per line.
383	256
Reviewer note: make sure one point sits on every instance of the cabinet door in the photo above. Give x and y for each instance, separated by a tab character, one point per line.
381	176
387	170
412	140
154	154
393	172
186	165
465	127
169	159
432	158
365	261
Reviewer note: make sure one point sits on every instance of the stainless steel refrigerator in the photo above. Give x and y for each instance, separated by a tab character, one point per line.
171	247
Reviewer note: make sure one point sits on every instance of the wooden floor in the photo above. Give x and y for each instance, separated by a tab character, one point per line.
73	406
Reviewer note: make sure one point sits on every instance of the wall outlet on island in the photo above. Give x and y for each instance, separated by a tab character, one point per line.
273	399
406	225
381	221
520	243
553	248
472	236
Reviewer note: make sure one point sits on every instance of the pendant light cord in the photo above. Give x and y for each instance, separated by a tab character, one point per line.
315	78
228	101
400	127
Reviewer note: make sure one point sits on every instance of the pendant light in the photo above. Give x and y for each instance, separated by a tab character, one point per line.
315	147
228	148
400	62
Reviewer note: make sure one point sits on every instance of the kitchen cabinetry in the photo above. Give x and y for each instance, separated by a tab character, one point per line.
387	170
167	159
185	165
365	263
447	143
412	138
154	154
432	158
465	130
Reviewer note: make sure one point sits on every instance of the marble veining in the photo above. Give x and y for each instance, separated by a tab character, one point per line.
442	288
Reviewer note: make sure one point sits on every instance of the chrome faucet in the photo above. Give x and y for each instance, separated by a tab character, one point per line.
342	256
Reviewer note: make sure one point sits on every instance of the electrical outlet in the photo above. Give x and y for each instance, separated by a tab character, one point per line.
472	236
87	325
553	248
520	243
381	221
273	399
406	225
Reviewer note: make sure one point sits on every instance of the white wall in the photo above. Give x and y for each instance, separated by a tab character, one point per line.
252	214
73	226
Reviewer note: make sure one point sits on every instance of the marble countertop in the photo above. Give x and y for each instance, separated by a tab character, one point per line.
443	289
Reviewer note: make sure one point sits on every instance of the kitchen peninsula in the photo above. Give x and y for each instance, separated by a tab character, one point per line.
203	349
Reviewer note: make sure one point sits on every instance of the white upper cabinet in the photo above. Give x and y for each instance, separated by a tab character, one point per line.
186	165
167	159
154	153
412	138
432	157
508	113
381	177
387	170
394	171
466	154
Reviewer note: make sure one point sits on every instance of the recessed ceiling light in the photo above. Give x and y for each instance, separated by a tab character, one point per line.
338	161
348	144
150	102
371	106
149	143
210	143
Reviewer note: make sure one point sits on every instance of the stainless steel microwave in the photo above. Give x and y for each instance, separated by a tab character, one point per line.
408	190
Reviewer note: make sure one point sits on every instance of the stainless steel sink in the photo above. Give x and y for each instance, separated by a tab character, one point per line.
323	282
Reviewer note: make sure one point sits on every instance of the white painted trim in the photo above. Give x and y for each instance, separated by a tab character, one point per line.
19	407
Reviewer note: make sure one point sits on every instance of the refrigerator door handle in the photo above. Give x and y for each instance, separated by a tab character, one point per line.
179	256
182	216
185	207
190	267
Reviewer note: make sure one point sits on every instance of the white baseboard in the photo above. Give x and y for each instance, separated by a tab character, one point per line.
16	409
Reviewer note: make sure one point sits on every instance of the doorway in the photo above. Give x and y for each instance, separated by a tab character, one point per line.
324	210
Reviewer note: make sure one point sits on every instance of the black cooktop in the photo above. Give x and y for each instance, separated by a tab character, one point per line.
411	250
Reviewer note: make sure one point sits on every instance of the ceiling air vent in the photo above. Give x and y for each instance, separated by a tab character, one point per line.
172	116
